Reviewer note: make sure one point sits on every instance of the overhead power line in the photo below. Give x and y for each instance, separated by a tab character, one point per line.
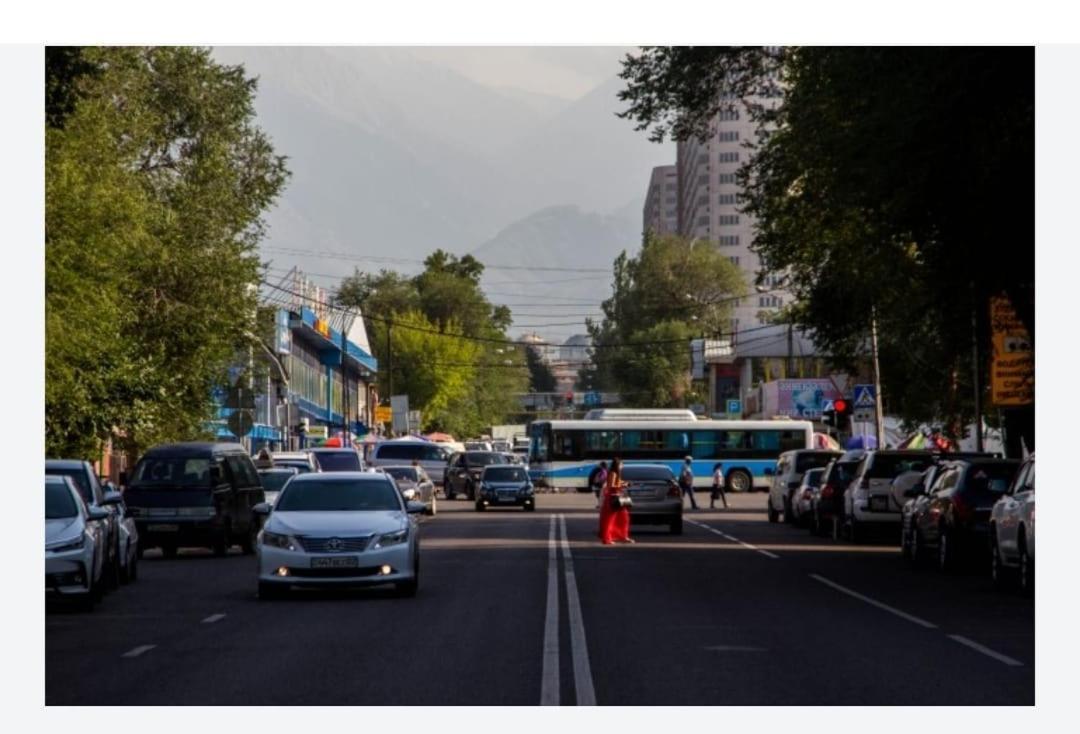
413	261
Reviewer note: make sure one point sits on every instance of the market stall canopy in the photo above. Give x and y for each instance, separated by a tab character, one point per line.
861	442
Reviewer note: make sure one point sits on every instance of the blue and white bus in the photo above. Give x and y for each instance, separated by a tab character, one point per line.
565	453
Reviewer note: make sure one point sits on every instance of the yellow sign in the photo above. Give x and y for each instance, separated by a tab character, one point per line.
383	414
316	432
1012	364
322	327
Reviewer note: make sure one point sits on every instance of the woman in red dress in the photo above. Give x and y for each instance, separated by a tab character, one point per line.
614	524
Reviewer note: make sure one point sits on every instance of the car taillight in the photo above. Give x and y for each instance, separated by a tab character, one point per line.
827	491
673	491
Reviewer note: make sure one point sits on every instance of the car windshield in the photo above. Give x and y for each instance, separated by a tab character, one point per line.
345	495
505	474
78	477
991	479
483	458
402	472
887	466
338	460
813	477
273	481
59	502
174	470
646	473
805	462
843	472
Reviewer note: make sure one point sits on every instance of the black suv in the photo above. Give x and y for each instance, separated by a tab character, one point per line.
463	472
195	494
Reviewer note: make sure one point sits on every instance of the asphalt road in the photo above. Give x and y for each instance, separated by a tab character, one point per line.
735	611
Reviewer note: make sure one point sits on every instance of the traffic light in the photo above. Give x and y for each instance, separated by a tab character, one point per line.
841	414
828	417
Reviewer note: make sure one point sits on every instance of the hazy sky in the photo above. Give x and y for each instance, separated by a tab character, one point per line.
558	71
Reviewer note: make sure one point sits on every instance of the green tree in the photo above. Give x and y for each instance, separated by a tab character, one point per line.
155	187
672	291
892	179
541	378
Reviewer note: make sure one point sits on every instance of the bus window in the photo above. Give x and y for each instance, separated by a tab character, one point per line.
677	441
604	443
733	440
541	442
792	440
630	441
765	440
566	445
704	444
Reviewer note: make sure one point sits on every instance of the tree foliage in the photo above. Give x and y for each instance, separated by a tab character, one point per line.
892	179
453	369
671	292
541	379
156	181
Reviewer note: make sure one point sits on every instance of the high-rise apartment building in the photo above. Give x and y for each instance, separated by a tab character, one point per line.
661	214
709	199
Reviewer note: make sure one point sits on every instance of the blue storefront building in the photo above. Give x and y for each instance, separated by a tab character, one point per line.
320	382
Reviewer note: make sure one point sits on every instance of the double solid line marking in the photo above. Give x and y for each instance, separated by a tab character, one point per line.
585	695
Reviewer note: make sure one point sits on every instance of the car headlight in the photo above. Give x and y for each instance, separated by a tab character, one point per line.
527	489
69	544
277	540
389	539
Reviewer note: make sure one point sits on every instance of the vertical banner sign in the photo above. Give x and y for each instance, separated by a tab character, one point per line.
282	333
1012	365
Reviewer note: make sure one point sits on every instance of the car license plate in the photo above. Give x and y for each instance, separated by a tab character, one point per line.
162	528
879	503
507	498
334	562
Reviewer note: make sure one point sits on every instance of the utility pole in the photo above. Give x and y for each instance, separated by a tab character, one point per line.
389	361
976	372
790	352
344	385
879	418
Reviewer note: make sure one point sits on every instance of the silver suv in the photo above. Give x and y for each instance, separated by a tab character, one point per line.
871	499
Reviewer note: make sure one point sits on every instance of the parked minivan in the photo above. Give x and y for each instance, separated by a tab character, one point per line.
195	495
430	455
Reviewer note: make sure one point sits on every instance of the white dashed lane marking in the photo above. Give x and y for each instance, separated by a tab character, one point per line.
213	618
732	538
137	651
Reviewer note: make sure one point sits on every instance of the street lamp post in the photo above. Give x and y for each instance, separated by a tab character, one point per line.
879	421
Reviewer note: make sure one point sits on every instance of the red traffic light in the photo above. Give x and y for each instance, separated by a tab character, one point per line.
840	406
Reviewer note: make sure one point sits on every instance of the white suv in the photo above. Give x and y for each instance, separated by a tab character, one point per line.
871	499
1012	530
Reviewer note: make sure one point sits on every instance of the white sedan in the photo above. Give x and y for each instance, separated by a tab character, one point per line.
339	529
75	538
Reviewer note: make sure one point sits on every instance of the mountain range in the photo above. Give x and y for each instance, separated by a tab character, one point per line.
393	155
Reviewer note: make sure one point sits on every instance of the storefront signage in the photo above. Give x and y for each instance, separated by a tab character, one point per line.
1012	364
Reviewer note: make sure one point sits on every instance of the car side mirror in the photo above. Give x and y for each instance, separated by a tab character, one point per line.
414	508
96	513
112	498
263	508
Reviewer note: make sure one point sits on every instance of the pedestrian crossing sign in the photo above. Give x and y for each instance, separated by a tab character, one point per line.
864	396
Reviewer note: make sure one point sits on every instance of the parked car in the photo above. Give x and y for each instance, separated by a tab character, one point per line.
415	485
869	501
501	445
463	472
827	500
954	523
657	499
790	467
129	544
800	500
330	459
302	461
912	485
479	446
1012	531
339	529
97	495
432	456
505	486
274	479
76	543
195	494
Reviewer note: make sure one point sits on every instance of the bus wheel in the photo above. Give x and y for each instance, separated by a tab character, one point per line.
738	480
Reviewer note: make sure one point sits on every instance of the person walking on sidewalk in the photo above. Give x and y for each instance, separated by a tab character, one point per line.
717	487
614	518
686	480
